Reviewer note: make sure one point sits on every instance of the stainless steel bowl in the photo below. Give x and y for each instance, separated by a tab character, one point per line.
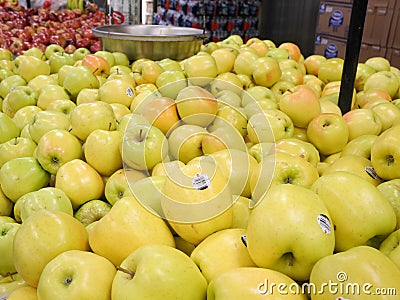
151	41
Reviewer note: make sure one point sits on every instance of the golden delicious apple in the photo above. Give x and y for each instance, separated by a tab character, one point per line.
76	274
253	283
197	200
276	241
212	262
129	221
176	275
48	234
350	197
361	272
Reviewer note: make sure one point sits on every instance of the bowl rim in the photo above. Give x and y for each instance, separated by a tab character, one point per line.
185	33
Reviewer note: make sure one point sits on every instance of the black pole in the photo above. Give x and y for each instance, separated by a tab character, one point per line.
356	28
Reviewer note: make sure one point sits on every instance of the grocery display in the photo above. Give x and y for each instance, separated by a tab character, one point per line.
229	173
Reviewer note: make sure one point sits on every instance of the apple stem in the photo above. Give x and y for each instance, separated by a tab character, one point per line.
15	141
129	272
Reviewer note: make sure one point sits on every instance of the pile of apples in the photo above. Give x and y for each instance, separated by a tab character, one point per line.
23	28
232	174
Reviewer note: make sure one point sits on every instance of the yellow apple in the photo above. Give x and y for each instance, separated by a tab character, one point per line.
129	221
48	233
350	197
80	182
254	283
359	273
276	241
197	200
212	262
102	151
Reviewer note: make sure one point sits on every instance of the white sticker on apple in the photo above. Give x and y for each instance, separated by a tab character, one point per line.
200	182
129	92
324	223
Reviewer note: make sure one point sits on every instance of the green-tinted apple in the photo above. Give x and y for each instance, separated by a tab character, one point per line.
269	126
390	247
385	80
378	63
241	211
143	146
6	207
245	63
25	115
299	148
19	176
107	55
58	59
7	235
63	105
389	114
19	97
169	64
42	80
50	198
362	73
53	48
11	82
292	249
16	147
92	211
89	116
237	166
87	95
229	98
148	192
50	93
6	54
78	78
46	120
120	58
80	53
350	197
119	183
170	82
224	58
28	67
385	154
391	190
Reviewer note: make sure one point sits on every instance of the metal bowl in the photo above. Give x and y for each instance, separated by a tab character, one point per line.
154	42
